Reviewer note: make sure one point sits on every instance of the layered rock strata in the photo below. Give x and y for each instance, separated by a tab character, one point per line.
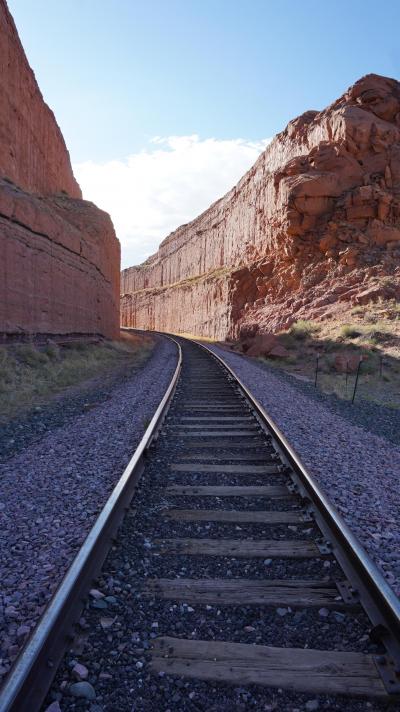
313	227
59	256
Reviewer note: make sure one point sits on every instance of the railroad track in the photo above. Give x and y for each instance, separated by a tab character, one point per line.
230	531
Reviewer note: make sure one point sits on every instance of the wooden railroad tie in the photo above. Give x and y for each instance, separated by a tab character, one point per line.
246	548
279	491
241	516
307	670
247	592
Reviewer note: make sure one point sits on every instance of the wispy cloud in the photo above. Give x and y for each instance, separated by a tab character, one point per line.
169	183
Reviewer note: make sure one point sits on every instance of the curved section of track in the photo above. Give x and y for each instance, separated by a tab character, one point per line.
227	522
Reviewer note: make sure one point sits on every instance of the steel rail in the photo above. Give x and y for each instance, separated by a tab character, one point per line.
31	676
377	597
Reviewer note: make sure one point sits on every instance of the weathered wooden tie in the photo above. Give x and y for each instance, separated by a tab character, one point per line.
227	515
228	469
247	592
230	491
317	671
243	548
248	433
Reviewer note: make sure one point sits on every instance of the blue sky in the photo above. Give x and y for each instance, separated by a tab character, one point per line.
118	73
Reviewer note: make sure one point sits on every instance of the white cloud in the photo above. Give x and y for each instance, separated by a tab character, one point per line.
169	183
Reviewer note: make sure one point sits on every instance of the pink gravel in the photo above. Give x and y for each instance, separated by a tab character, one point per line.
357	469
52	491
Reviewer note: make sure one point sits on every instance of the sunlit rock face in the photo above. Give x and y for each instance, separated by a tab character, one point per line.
311	229
59	256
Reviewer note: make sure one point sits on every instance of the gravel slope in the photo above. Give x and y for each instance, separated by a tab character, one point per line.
52	491
358	469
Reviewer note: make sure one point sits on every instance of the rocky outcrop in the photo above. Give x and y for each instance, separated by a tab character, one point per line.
59	256
314	226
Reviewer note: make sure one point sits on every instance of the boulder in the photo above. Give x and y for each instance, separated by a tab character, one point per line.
266	345
346	362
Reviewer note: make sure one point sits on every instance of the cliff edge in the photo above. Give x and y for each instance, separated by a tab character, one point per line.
312	228
59	256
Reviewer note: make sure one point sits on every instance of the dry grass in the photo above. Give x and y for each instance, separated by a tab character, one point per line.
31	375
195	337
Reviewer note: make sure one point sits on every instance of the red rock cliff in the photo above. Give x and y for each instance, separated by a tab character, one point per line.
59	256
313	226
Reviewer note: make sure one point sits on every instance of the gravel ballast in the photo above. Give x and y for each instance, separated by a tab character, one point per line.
52	491
121	622
358	469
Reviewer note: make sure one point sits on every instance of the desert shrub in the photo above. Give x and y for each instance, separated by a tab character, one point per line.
29	355
358	310
348	331
302	329
77	345
327	363
7	365
52	350
370	363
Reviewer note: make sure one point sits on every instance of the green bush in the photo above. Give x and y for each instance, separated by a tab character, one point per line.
349	332
302	329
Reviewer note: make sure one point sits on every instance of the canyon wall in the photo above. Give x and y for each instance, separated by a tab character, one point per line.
59	256
312	228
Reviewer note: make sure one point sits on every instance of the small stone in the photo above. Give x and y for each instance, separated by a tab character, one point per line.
281	611
22	632
111	599
80	672
324	613
106	622
13	651
94	593
83	689
267	562
139	665
298	616
249	628
54	707
312	705
99	603
339	617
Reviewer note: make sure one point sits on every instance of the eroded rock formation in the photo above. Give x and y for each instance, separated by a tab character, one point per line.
312	228
59	256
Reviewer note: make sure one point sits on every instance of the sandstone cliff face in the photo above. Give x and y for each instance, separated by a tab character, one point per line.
59	256
315	224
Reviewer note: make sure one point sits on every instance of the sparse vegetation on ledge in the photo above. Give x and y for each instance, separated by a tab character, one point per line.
188	281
